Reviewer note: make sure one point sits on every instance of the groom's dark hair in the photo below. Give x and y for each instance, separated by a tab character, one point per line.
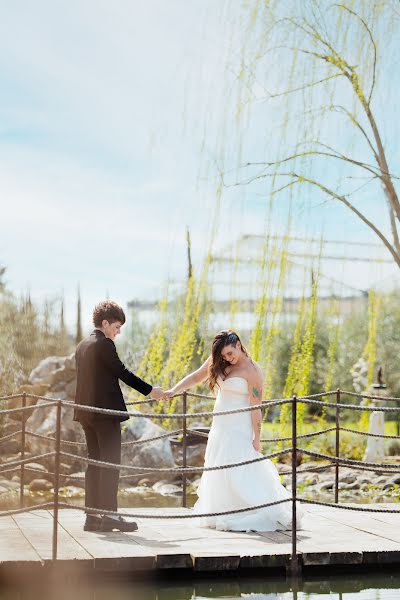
109	311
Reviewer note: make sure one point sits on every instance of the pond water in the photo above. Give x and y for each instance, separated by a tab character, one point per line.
359	587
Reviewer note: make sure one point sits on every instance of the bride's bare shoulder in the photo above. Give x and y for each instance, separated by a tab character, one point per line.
254	368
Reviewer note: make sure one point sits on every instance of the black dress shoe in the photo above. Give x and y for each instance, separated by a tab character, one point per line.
111	523
92	523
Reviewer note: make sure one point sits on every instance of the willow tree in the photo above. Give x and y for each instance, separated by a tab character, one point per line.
334	70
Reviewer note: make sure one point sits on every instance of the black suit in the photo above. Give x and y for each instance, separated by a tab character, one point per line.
98	370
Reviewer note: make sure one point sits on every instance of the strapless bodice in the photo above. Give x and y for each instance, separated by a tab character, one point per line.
233	393
234	383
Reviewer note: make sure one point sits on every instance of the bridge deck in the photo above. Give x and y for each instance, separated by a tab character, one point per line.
329	537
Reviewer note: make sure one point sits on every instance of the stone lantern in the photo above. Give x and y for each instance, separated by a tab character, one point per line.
375	451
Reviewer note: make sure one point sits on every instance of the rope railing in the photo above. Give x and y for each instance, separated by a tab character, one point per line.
83	444
134	471
175	470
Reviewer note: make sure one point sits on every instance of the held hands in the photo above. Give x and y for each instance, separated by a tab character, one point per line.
257	445
158	393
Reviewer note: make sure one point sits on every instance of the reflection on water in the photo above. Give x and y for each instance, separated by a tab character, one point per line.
351	587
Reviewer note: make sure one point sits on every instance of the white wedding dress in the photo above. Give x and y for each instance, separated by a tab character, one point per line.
231	440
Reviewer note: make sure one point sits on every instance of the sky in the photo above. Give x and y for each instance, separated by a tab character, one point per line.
110	141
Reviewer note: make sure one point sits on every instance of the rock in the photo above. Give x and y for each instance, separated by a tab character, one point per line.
76	479
43	373
39	470
70	362
167	489
135	490
347	478
350	486
62	375
40	485
380	480
37	389
150	454
195	455
9	485
70	389
144	482
311	480
43	421
394	480
363	479
195	484
11	446
326	485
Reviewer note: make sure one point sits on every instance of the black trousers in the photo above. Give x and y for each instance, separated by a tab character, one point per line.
103	439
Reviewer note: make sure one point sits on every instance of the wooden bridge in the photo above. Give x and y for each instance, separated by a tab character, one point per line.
33	540
330	537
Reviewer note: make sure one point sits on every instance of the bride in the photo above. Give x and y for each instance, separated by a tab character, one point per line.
236	438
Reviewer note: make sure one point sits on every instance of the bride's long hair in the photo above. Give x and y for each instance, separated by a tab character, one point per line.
218	365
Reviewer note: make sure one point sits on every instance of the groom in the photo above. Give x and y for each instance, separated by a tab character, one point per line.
98	370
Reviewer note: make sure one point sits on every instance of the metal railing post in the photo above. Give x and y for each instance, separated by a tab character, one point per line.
22	471
184	447
56	481
337	446
294	567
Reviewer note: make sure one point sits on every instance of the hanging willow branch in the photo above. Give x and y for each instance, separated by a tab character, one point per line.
317	47
298	179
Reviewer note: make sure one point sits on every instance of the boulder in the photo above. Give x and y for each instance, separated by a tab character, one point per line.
363	479
11	446
394	480
382	479
349	486
44	421
44	371
326	485
70	362
38	470
62	376
9	485
76	479
70	389
37	389
167	489
151	454
40	485
348	478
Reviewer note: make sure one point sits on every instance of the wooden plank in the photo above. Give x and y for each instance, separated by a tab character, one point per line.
15	546
111	551
38	528
329	537
366	523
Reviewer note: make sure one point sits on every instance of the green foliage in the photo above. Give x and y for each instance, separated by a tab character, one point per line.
28	334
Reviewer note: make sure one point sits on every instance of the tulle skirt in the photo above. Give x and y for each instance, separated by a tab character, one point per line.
240	487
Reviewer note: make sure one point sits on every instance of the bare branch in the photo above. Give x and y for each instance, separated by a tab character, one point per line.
301	179
307	85
332	154
393	227
340	108
360	187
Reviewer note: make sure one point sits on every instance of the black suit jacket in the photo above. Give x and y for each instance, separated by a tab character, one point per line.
98	369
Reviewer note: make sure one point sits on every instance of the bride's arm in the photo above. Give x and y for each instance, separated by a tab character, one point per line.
191	380
255	382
